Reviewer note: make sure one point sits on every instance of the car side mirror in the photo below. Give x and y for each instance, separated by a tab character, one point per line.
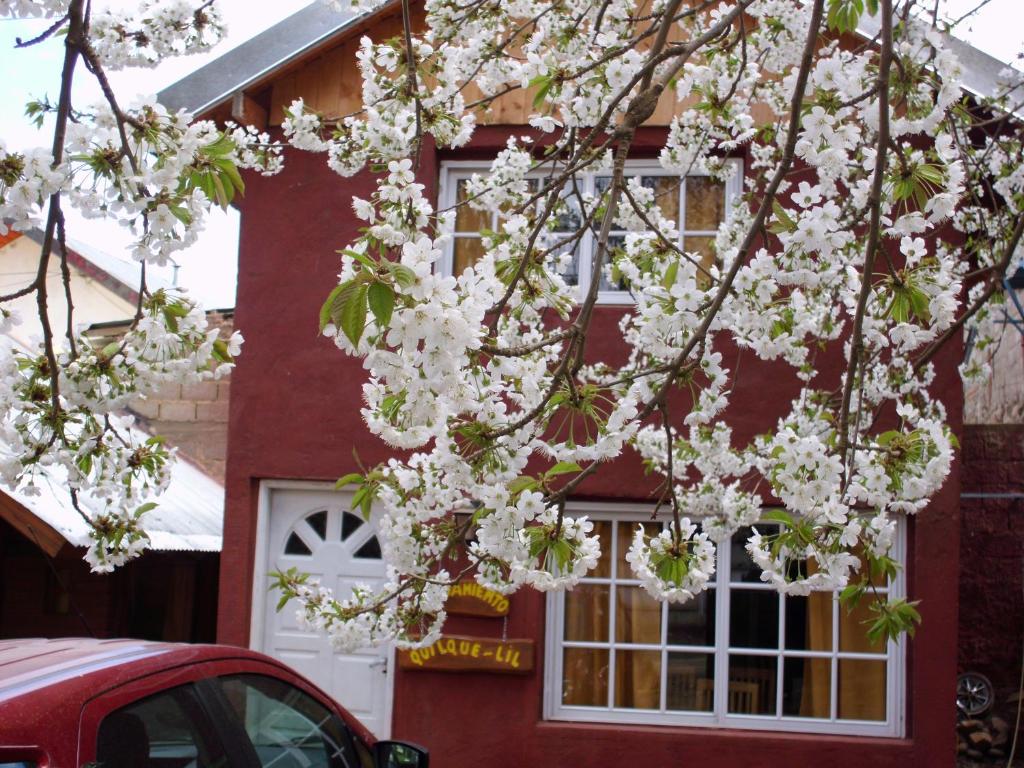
400	754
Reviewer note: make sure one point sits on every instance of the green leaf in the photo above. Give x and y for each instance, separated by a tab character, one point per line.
900	308
850	596
403	275
543	84
919	303
670	275
362	258
351	477
780	516
783	221
843	15
149	505
522	483
353	313
327	311
228	169
381	298
563	468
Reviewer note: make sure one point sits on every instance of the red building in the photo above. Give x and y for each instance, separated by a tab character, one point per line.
740	677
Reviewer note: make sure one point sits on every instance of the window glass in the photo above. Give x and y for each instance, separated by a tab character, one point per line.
737	654
696	206
168	729
693	622
289	729
586	677
691	682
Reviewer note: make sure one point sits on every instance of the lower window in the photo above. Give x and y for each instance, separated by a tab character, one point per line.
739	655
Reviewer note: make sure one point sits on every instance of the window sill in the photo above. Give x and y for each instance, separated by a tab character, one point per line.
750	736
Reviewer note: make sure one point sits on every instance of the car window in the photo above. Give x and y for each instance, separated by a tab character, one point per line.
167	730
290	729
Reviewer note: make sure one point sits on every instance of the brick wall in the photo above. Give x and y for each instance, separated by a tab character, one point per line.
992	556
193	417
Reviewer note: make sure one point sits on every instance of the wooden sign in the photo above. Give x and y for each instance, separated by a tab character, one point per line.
452	653
467	598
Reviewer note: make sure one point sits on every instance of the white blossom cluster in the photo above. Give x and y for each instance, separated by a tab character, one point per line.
78	431
483	373
157	174
842	265
157	30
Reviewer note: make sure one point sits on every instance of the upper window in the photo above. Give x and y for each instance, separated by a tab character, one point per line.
697	204
739	655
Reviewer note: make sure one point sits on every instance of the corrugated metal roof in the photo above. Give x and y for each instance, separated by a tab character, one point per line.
189	515
126	271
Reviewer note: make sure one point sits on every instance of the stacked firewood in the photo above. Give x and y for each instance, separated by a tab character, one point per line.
977	738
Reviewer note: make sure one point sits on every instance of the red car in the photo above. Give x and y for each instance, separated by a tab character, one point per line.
131	703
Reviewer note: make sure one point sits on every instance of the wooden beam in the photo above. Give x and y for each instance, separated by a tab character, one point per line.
245	111
31	527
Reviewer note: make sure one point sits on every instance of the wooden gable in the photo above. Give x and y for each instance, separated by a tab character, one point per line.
329	82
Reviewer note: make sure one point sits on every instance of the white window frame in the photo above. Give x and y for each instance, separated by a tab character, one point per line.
453	171
554	709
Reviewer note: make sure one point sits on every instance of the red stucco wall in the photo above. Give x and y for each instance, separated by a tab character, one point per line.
295	414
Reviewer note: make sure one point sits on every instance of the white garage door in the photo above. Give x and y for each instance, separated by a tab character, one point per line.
316	532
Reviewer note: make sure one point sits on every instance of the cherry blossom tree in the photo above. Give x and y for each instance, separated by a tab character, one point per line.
880	211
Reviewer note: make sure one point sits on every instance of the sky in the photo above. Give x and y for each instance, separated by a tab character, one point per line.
209	268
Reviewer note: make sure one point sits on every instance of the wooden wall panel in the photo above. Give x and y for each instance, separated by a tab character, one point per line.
331	84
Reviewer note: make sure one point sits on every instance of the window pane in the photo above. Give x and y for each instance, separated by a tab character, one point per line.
626	531
296	546
853	628
691	682
585	677
287	728
809	622
614	242
878	580
566	217
467	219
693	622
603	569
586	613
170	727
666	195
861	690
637	616
806	687
566	261
467	251
705	203
703	245
752	685
638	679
754	618
743	568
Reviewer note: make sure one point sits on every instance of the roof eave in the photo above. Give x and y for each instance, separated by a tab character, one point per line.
257	59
